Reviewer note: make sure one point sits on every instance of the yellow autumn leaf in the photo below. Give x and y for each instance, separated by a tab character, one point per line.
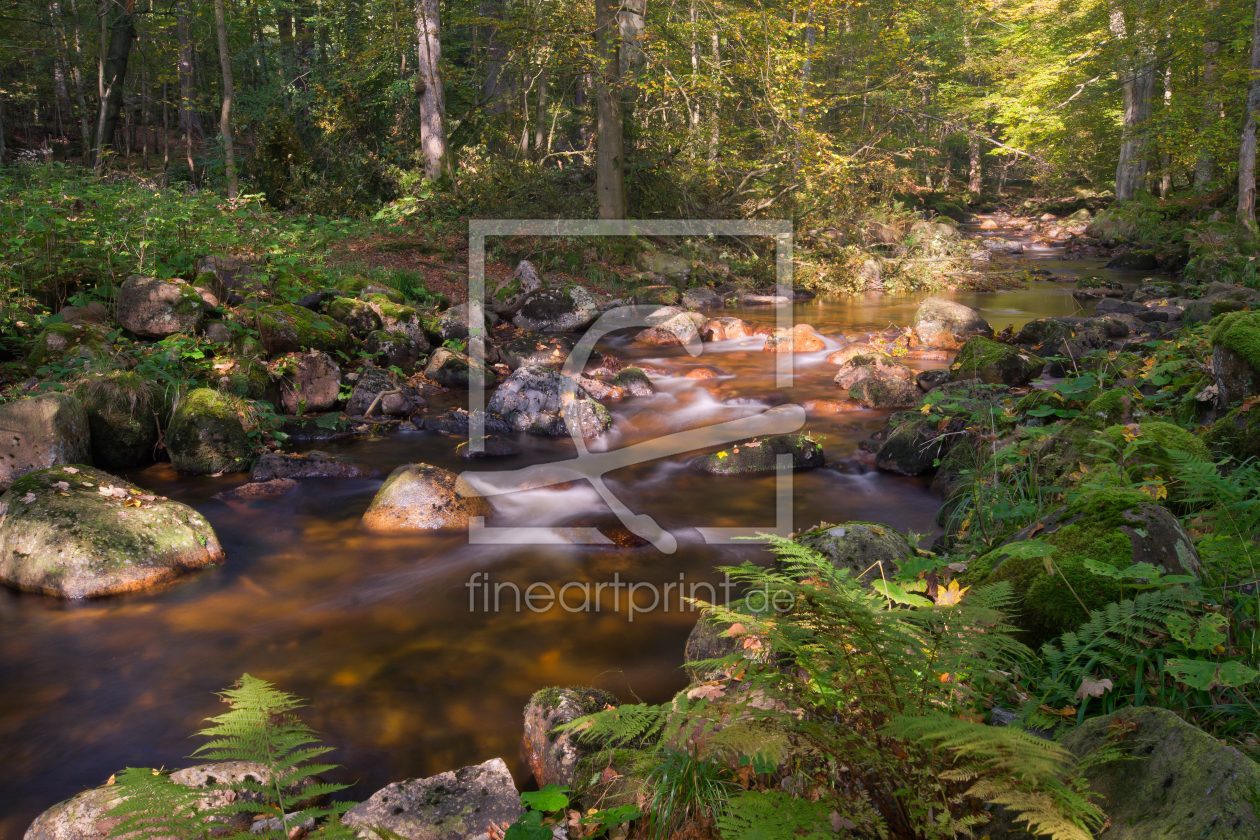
948	596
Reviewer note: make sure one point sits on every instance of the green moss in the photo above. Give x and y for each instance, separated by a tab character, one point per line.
631	376
77	343
1110	408
662	295
286	329
207	434
1240	332
995	363
1237	435
124	410
189	301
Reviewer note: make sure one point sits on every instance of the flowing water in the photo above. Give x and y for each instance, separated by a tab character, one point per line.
404	679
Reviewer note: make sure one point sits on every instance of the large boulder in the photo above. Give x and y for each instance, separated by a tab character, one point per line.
313	464
397	399
530	349
708	640
308	382
285	328
69	344
453	324
508	295
724	329
869	551
39	432
452	369
397	317
655	296
996	364
701	298
945	325
78	532
1118	527
912	444
153	308
1171	780
553	756
761	456
457	805
418	497
124	410
673	327
669	266
570	309
394	349
207	434
876	381
801	339
543	401
356	315
1236	357
1237	434
634	382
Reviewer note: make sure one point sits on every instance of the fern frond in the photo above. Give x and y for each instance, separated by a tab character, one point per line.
775	815
618	726
154	806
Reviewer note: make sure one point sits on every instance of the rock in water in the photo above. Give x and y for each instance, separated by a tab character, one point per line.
540	400
153	308
557	310
996	364
860	547
760	456
452	369
942	324
313	464
207	436
372	383
493	447
78	532
257	491
449	806
308	382
418	497
546	350
1174	780
724	328
552	758
802	339
38	432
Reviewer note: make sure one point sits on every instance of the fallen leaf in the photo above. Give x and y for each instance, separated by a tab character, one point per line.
1066	711
838	822
608	775
949	596
62	485
111	780
875	529
74	471
1093	688
1036	529
957	567
735	629
28	498
706	692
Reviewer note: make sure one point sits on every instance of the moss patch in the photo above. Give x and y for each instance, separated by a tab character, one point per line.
207	434
995	363
1240	332
286	328
68	342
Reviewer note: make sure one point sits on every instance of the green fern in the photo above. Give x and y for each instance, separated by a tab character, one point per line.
774	815
260	729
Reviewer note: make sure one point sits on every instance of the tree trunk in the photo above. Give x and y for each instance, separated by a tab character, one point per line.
225	115
715	56
189	119
1247	153
432	101
694	115
632	25
76	72
609	163
1137	82
540	119
1204	165
1165	159
2	149
494	89
122	32
975	172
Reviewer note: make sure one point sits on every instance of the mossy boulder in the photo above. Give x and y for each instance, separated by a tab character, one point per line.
571	309
707	640
1154	442
458	805
373	390
1237	434
78	532
41	432
452	369
996	363
876	381
543	401
124	411
355	315
1236	356
207	434
913	443
672	327
73	344
954	470
945	325
394	349
309	382
1118	527
553	756
397	317
863	548
1202	311
285	328
421	497
243	377
528	349
1171	780
1119	406
761	456
635	382
153	308
658	295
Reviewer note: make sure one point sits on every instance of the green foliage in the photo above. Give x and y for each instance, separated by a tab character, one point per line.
686	788
774	815
261	729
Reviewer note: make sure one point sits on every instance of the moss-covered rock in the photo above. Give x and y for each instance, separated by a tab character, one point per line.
547	350
153	308
78	532
399	318
1236	356
286	328
945	325
542	401
864	548
1119	406
1152	459
468	802
761	456
75	344
553	756
419	497
41	432
452	369
356	315
570	309
1171	780
658	295
1237	435
913	442
394	349
207	434
1118	527
635	382
1201	311
955	468
996	363
124	411
243	377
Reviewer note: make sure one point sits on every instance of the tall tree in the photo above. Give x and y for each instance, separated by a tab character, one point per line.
225	114
1204	165
122	33
1247	151
610	187
432	100
1137	84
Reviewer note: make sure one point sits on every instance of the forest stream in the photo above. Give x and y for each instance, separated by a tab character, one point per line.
403	678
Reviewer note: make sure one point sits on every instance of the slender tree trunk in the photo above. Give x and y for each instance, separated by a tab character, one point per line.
189	118
166	132
1247	152
1137	81
85	115
2	148
1204	165
432	101
715	55
540	119
122	33
694	115
975	172
494	88
632	24
1165	159
225	114
609	160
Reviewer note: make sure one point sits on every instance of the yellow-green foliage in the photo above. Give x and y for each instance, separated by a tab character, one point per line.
1240	332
